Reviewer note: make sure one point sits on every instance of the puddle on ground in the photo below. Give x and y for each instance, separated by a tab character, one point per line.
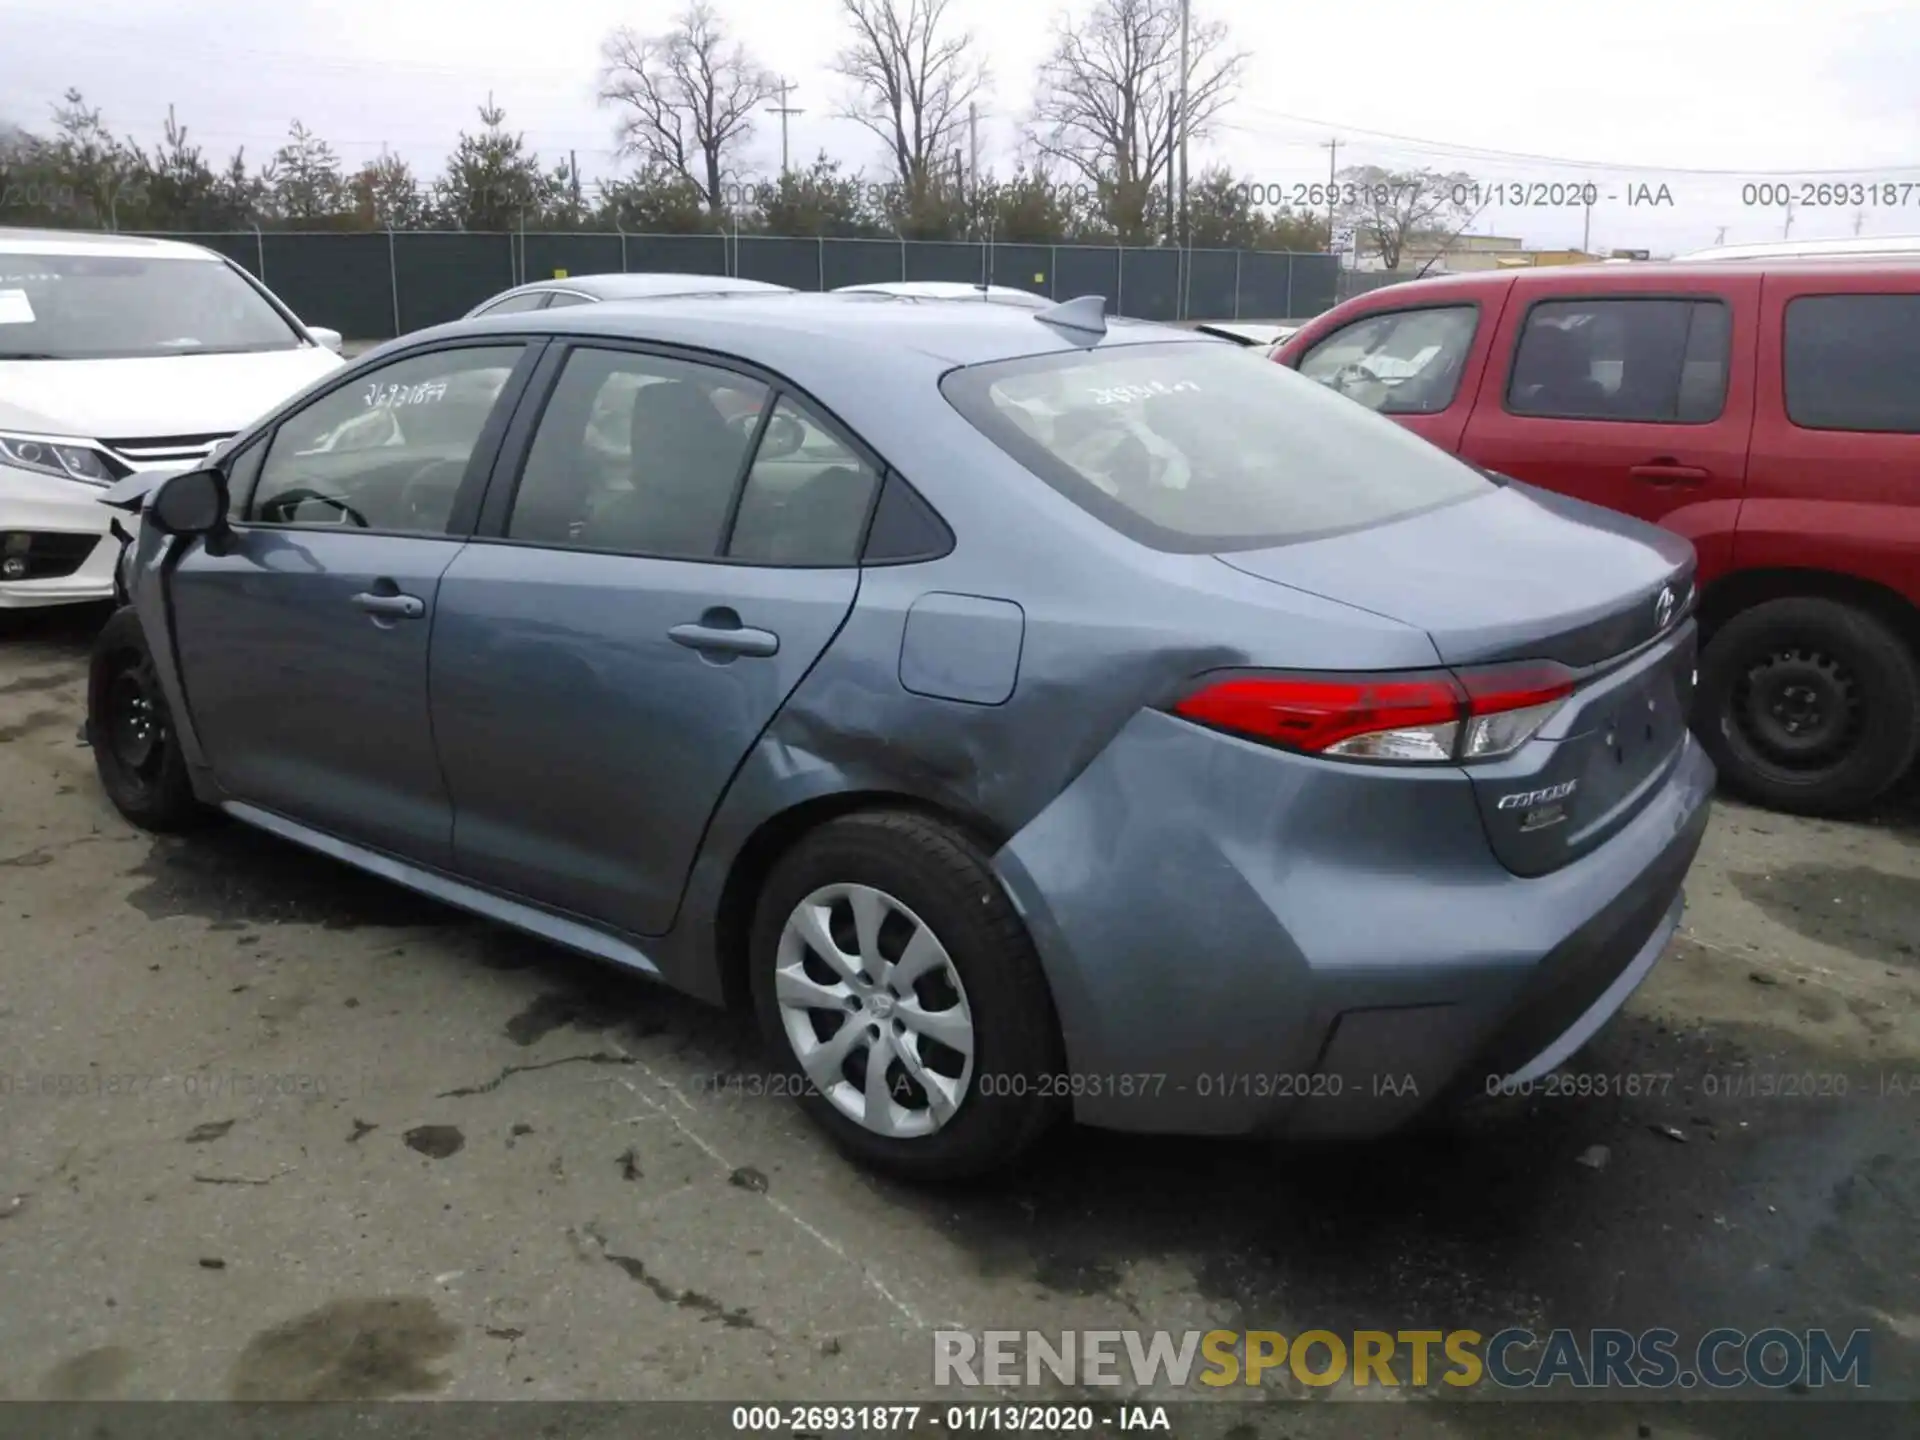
1872	913
52	680
436	1142
90	1375
372	1349
35	722
233	873
1792	1211
595	998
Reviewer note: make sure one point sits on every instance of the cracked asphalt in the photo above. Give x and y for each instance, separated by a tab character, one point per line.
275	1130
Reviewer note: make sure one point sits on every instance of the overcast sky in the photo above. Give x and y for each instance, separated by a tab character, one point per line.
1624	94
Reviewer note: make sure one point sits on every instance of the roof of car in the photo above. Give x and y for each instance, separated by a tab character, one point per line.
1852	247
641	284
91	242
1559	276
774	327
945	290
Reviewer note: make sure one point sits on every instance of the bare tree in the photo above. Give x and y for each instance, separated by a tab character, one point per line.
1109	91
913	79
1390	209
689	97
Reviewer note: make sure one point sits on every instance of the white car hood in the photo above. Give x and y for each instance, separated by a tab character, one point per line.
153	396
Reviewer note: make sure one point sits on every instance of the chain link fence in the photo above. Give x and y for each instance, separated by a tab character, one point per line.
375	285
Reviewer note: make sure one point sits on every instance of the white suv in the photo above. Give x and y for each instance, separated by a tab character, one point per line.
119	355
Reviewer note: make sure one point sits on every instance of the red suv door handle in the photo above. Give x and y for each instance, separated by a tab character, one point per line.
1666	472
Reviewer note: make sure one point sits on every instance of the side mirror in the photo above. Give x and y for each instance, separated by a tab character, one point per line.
193	503
327	339
784	435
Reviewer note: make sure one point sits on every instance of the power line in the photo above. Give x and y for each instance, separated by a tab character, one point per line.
1485	152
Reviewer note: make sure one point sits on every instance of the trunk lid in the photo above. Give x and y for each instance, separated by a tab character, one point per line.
1524	574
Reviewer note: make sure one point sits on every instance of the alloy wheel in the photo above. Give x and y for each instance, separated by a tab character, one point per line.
874	1010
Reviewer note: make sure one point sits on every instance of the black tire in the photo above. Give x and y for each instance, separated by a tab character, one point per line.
135	751
946	881
1808	705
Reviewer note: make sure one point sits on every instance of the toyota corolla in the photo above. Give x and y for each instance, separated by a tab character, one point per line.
1026	713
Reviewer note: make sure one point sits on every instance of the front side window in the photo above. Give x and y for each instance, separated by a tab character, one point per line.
638	454
387	451
110	307
560	299
1407	362
1197	447
1853	363
1650	361
806	497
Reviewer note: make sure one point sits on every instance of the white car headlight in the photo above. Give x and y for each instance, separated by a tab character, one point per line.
56	457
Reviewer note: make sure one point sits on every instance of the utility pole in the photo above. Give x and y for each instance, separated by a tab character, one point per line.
972	192
1787	232
1173	146
783	110
1186	227
1859	219
1586	231
1332	147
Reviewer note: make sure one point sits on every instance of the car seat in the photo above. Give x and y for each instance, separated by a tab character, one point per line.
686	461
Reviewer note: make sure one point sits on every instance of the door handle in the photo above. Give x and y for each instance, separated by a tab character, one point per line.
1667	472
732	639
391	607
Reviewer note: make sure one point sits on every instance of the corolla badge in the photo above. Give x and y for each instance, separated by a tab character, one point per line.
1664	604
1526	799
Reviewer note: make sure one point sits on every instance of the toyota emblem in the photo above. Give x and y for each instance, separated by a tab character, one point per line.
1663	607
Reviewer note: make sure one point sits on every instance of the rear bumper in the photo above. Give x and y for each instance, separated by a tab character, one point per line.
1268	943
36	504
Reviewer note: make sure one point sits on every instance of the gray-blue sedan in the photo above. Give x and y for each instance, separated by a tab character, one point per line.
1027	713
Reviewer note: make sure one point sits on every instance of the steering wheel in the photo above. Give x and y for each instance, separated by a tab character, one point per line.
417	492
279	510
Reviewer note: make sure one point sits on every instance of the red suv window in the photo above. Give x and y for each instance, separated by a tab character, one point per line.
1401	362
1626	358
1853	362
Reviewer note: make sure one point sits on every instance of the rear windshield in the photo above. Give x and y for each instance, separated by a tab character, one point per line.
96	307
1201	446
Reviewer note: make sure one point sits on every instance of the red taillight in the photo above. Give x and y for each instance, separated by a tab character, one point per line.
1508	704
1430	718
1515	687
1318	714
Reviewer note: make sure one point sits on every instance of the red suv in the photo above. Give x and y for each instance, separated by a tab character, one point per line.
1769	411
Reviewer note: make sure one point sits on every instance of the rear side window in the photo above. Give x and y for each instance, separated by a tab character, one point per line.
1657	361
806	497
637	454
1198	447
1853	362
1407	362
